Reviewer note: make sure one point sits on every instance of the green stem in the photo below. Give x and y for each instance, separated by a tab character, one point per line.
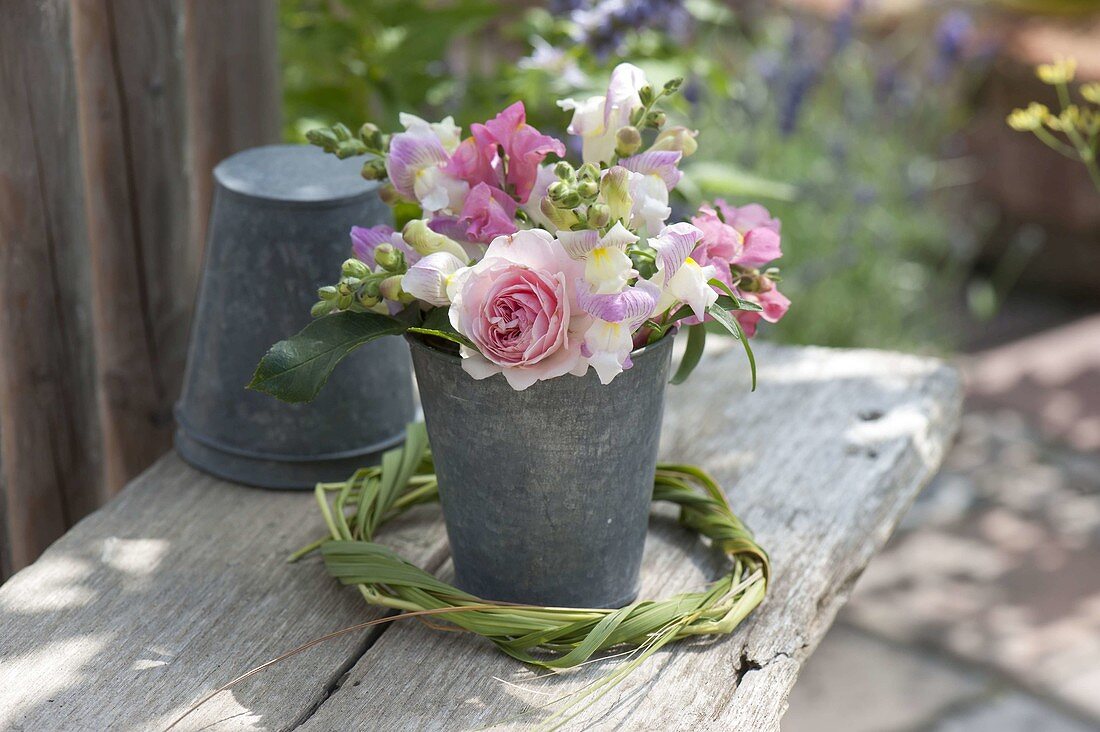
1057	145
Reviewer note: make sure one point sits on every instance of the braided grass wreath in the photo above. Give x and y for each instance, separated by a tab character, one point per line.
356	509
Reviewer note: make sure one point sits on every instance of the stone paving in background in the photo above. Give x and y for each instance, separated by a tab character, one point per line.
983	612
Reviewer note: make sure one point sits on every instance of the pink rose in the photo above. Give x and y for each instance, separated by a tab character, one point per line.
517	306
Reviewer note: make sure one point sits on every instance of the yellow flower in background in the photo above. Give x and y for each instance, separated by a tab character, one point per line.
1059	72
1074	131
1030	119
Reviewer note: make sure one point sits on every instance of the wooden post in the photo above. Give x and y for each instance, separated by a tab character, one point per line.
233	89
49	441
114	114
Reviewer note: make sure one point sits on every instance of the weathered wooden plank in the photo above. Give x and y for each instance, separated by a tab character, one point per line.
170	590
177	586
131	131
821	462
49	445
233	90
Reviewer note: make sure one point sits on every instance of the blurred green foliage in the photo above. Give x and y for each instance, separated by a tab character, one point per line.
850	138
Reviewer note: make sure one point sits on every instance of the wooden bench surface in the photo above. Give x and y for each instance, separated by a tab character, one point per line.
179	584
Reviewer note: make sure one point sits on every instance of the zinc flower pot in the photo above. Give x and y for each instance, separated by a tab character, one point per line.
546	491
280	218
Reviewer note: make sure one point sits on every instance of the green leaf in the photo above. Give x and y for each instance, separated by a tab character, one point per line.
294	370
730	301
697	338
720	179
727	303
727	321
438	323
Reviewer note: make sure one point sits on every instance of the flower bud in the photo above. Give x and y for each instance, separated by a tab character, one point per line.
371	135
673	85
589	171
373	169
572	199
588	189
656	120
627	141
558	190
327	293
616	193
323	138
341	131
354	268
389	195
386	257
599	215
324	307
367	301
561	218
425	241
646	95
676	139
565	171
344	300
391	288
370	287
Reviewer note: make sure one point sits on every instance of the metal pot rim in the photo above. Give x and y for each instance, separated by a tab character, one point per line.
416	340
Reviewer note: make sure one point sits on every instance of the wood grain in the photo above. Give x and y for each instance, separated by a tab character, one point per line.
131	95
114	114
49	440
177	586
233	89
821	463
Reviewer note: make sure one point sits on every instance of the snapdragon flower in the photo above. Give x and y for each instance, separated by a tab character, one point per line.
417	161
597	119
607	268
609	340
679	277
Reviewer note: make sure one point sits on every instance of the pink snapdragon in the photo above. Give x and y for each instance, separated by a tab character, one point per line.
498	185
417	164
746	237
524	146
488	213
517	307
774	302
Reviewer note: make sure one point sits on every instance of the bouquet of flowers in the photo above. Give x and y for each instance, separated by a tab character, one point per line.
537	267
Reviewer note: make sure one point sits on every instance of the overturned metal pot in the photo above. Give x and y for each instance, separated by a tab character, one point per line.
278	230
545	492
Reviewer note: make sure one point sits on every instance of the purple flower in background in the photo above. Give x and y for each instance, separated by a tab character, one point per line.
693	90
802	74
844	26
602	24
952	34
801	83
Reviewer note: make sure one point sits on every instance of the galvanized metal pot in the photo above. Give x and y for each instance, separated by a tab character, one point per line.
278	230
546	491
